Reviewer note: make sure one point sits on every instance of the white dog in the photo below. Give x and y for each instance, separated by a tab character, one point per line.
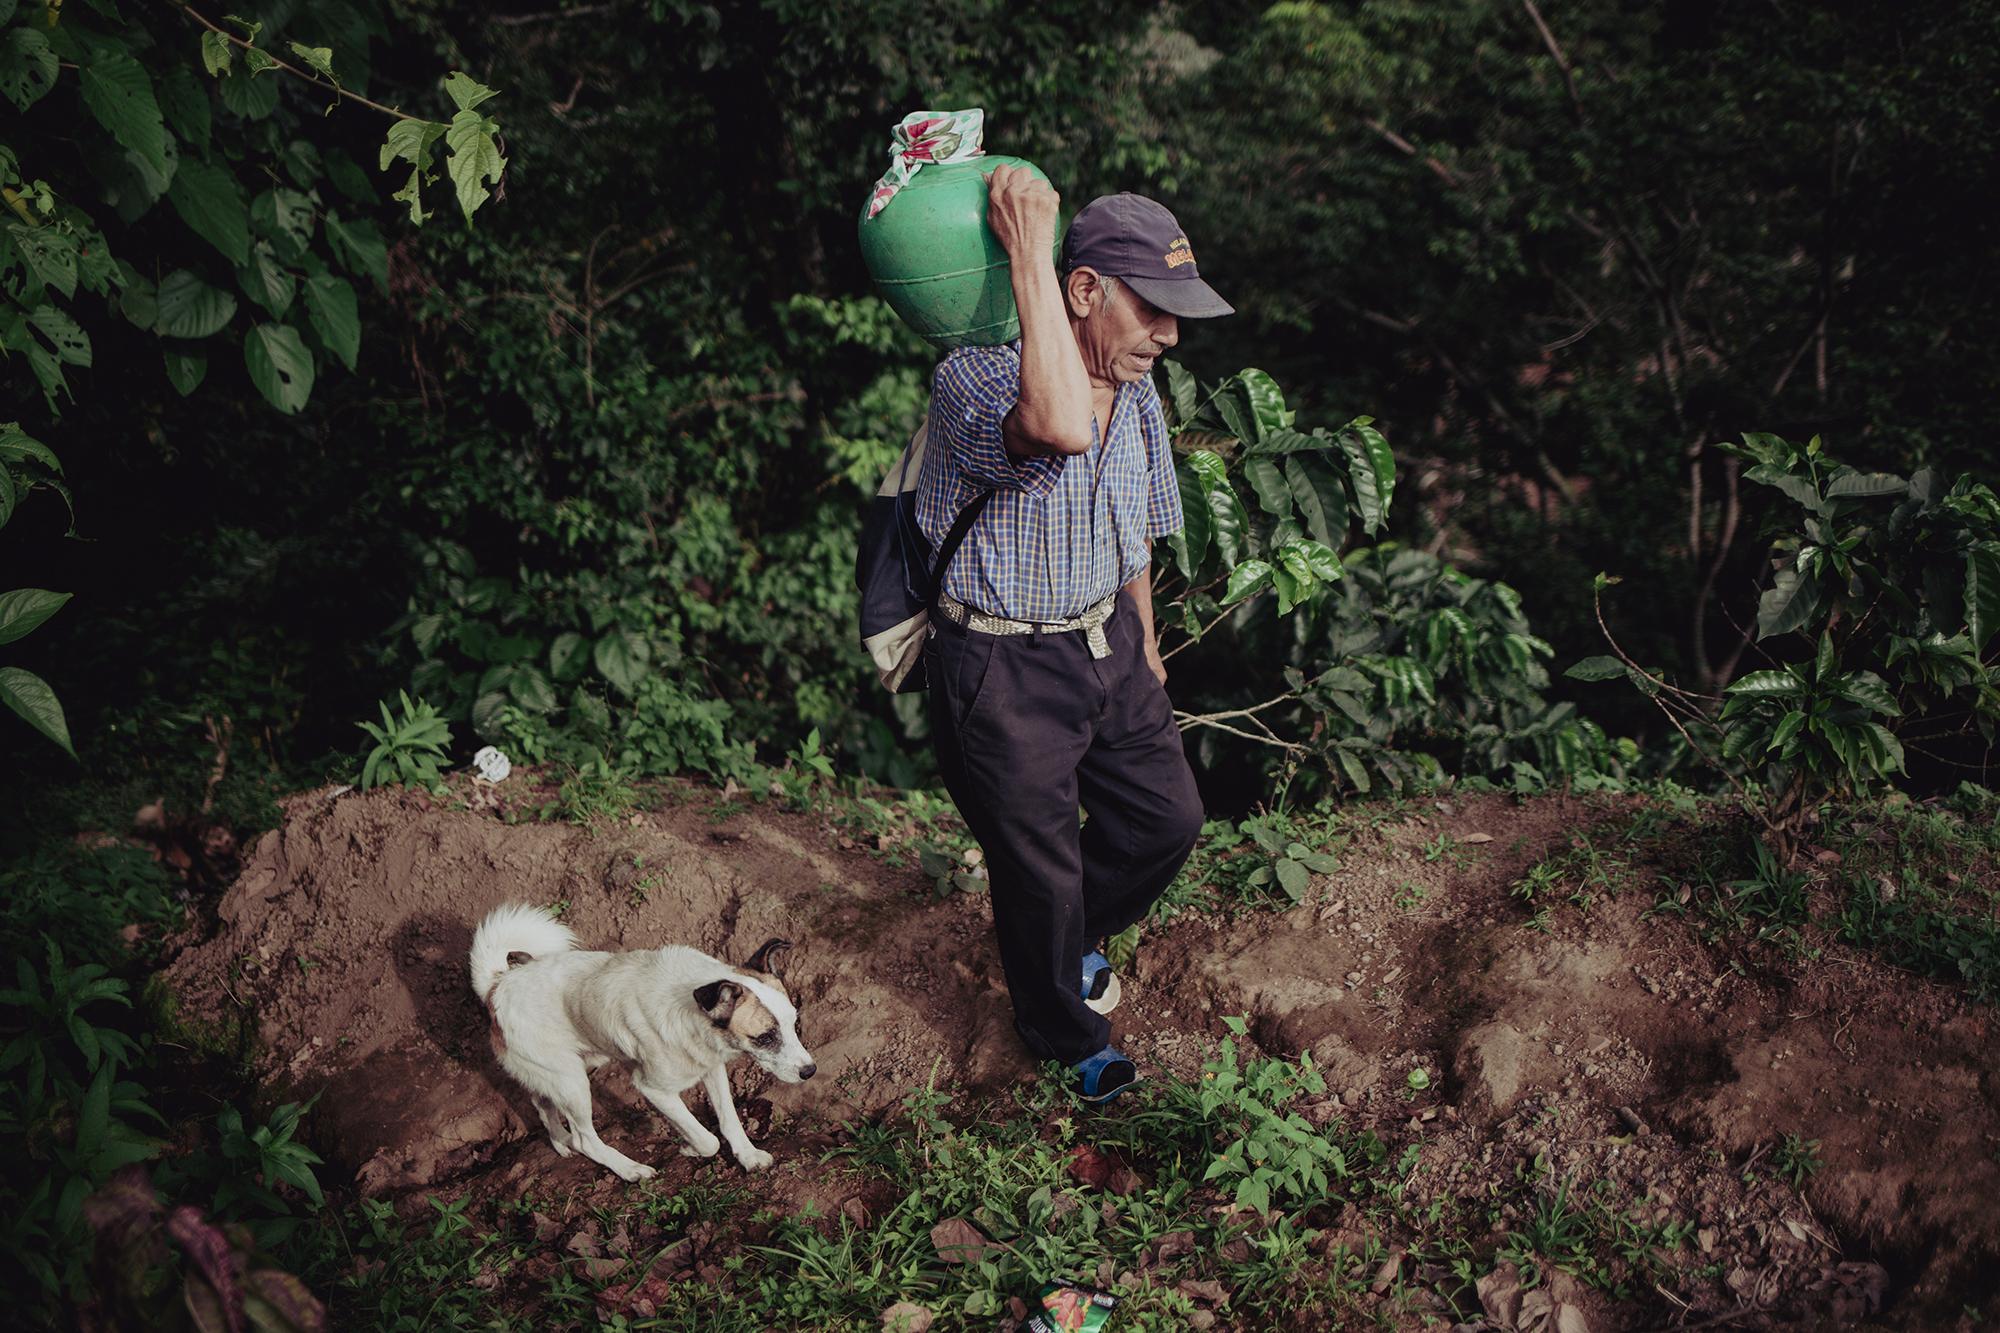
675	1015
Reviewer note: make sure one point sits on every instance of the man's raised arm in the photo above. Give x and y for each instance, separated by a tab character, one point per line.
1053	414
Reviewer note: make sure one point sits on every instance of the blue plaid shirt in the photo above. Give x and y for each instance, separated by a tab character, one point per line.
1062	533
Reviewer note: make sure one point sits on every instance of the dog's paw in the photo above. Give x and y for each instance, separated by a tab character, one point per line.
706	1146
562	1149
640	1171
754	1159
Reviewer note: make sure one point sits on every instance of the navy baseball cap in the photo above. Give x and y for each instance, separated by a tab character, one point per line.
1132	238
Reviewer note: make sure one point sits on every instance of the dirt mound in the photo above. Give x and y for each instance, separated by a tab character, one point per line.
345	941
1613	1051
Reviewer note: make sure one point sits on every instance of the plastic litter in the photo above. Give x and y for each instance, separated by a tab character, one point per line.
492	764
1071	1309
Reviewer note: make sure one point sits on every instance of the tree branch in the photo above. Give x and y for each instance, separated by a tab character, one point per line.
337	91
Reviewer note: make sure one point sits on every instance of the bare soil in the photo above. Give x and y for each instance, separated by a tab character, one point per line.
1615	1046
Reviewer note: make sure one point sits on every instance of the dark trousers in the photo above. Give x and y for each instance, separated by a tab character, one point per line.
1028	727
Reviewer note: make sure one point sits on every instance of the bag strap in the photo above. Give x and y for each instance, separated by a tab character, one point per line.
960	526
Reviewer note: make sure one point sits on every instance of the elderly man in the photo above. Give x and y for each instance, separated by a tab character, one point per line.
1047	684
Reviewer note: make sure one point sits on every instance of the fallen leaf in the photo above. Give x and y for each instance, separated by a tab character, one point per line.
1477	837
1500	1295
1089	1166
1386	1274
906	1317
1171	1246
957	1241
602	1270
1206	1290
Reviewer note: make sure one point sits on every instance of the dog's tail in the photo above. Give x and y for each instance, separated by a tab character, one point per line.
515	928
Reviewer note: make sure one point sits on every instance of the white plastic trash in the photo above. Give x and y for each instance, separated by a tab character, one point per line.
493	764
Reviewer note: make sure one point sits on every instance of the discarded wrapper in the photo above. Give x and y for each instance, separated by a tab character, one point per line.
1071	1309
492	764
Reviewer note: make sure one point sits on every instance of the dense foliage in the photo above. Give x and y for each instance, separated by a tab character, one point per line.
585	481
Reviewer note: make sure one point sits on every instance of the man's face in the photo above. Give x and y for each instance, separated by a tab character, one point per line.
1122	341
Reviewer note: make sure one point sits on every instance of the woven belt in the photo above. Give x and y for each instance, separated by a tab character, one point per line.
1091	622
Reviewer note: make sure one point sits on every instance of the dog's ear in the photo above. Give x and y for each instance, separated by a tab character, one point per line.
718	1000
761	961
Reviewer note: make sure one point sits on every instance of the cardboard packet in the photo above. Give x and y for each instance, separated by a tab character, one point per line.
1071	1309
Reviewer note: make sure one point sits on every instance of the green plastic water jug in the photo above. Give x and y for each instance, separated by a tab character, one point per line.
935	261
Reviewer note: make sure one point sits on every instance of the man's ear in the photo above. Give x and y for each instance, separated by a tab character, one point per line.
718	1000
1082	292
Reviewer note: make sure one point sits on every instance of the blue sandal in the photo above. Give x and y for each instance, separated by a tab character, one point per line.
1100	983
1103	1076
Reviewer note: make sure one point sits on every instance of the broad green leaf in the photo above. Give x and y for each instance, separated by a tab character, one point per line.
1265	477
1788	604
1284	440
1772	683
190	308
30	696
319	59
1321	499
139	302
531	689
24	608
1191	542
8	498
1793	485
285	218
119	94
1824	661
1294	878
17	446
621	657
1321	561
335	316
1233	403
1850	482
359	248
1227	521
410	141
67	339
1982	593
1596	668
185	370
1871	692
49	254
412	194
1788	727
215	53
1885	749
266	281
27	67
474	159
1184	391
1289	587
1246	579
1357	772
569	656
258	61
248	96
1267	401
1371	469
465	91
210	201
280	366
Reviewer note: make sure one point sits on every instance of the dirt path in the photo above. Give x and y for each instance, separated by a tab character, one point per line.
1618	1048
